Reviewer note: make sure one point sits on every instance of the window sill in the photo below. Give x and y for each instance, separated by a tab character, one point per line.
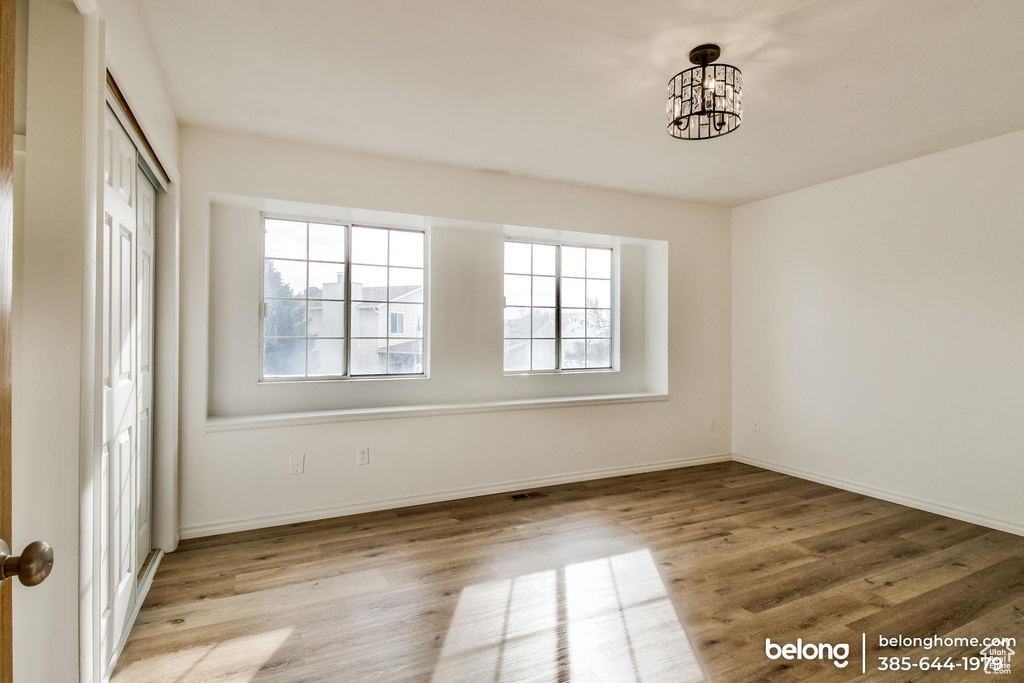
341	378
247	422
564	372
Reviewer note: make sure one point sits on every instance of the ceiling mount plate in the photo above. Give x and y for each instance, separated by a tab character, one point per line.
705	54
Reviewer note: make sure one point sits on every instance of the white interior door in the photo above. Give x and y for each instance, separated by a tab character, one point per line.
120	404
145	240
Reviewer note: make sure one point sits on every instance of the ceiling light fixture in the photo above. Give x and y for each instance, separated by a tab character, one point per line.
705	101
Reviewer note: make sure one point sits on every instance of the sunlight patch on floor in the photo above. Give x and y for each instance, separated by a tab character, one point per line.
608	619
236	659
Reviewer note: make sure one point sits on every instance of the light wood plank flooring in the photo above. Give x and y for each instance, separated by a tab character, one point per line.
669	576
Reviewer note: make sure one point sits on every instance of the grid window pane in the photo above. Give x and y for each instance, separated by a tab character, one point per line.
285	318
402	319
369	319
284	239
543	354
544	323
369	356
574	292
518	258
405	356
599	353
517	290
405	248
517	355
599	263
326	319
599	293
326	280
574	322
369	283
326	242
326	357
405	284
544	259
284	357
284	279
574	262
370	246
574	353
543	291
599	322
517	322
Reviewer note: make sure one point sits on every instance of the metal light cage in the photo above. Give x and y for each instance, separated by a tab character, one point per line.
705	101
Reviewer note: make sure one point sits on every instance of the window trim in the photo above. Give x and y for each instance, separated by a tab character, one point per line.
613	279
348	376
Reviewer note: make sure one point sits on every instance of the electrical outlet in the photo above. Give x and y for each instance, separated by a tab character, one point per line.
757	426
298	463
713	424
364	456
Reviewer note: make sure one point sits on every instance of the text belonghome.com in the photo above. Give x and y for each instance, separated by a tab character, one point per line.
931	642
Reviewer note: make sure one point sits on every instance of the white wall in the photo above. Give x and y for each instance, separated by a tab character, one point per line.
878	331
133	62
464	326
60	65
240	478
48	323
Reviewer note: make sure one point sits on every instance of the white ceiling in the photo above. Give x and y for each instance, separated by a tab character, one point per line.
573	90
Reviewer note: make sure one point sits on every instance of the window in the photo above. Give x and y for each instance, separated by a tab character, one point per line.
586	307
398	323
335	299
558	307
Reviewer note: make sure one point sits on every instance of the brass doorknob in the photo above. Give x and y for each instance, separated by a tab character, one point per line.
31	567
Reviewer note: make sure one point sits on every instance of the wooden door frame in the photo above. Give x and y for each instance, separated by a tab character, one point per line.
7	23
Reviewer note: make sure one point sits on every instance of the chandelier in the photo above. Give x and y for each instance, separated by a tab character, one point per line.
705	101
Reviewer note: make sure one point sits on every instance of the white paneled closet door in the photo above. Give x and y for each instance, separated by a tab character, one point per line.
126	456
145	240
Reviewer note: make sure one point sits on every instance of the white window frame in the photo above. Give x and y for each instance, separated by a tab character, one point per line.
613	339
348	376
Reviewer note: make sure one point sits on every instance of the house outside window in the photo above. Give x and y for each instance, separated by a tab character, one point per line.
335	300
397	322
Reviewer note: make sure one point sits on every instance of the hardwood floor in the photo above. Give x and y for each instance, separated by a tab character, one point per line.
669	576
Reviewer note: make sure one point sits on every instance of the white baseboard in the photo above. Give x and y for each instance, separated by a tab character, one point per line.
199	530
891	496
